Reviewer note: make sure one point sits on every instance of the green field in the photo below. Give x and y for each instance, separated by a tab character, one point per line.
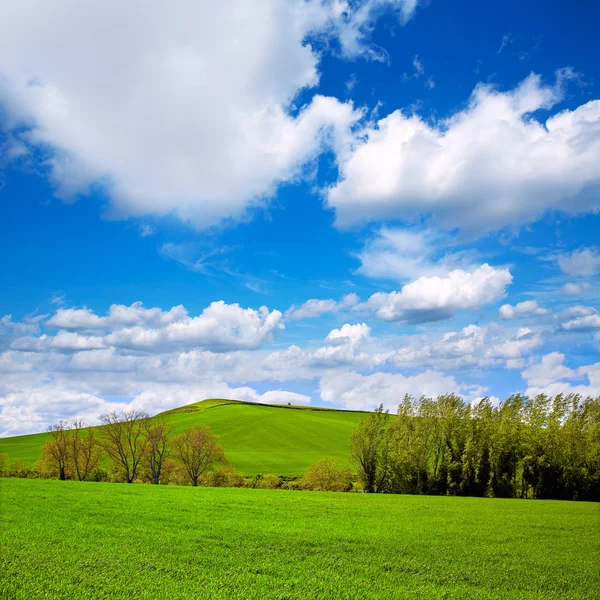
101	540
257	438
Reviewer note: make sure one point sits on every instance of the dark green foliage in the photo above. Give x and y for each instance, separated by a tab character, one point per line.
544	448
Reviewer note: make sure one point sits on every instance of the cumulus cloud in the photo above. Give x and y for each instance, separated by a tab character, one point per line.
365	392
551	376
186	111
471	346
522	309
220	327
579	318
490	165
348	333
581	263
435	298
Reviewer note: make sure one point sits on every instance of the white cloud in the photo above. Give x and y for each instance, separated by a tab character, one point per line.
119	316
551	376
472	346
551	368
522	309
32	410
348	333
186	111
279	397
434	298
310	309
314	308
579	318
404	254
220	327
485	167
581	263
575	289
364	392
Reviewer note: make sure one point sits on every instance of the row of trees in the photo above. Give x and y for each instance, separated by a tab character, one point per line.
134	444
540	447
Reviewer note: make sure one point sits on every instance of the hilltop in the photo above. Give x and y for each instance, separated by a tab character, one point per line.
258	438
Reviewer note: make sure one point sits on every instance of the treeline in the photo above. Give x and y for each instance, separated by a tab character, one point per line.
541	447
130	447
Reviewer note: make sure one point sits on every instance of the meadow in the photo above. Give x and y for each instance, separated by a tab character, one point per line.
99	540
257	438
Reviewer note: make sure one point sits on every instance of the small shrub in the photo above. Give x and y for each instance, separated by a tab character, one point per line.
269	482
18	468
327	476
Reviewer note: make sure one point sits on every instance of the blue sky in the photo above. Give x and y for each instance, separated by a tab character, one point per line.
410	189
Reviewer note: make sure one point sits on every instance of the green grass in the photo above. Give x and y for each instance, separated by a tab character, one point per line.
257	438
98	540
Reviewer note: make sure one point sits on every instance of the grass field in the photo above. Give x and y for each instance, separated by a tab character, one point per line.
99	540
257	438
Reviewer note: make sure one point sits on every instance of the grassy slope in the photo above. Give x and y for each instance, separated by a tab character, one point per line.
94	540
257	438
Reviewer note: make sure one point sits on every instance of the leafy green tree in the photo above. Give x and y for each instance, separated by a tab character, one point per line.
370	450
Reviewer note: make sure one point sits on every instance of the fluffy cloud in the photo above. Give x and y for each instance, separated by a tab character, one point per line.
471	346
364	392
579	318
220	327
187	111
522	309
119	316
582	263
435	298
348	334
551	376
487	166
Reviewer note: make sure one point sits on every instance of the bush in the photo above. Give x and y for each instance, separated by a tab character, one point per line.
18	468
268	482
226	477
326	475
3	464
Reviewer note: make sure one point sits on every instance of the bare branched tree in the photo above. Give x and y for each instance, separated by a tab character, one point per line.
124	440
197	449
58	450
86	451
158	448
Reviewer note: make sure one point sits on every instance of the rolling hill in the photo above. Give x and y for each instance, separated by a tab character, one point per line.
258	438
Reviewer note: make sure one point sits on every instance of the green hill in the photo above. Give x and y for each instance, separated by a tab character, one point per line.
258	438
